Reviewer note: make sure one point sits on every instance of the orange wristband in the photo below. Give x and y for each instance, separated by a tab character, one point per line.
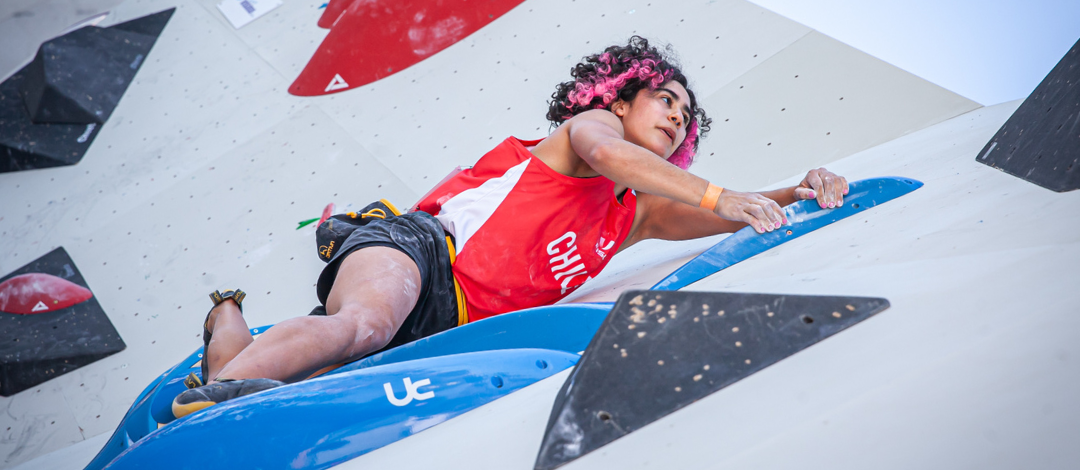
712	195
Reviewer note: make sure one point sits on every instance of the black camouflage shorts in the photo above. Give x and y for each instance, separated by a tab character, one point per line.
422	238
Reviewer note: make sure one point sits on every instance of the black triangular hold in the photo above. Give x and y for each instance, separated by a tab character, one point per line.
45	343
1040	142
90	67
660	351
150	25
25	145
52	109
48	105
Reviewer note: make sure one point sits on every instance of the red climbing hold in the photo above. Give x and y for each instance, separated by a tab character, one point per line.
326	213
374	39
32	293
333	11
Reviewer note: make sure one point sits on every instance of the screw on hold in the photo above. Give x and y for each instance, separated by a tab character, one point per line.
541	364
497	381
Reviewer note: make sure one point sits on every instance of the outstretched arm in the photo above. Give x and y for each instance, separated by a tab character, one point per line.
668	219
597	138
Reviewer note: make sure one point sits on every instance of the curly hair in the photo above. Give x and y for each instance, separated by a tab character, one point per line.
620	72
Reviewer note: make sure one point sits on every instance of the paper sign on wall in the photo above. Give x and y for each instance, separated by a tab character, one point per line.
242	12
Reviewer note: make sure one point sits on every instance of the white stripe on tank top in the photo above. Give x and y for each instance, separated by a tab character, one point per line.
467	211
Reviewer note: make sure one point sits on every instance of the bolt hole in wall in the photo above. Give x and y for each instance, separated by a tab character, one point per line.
807	319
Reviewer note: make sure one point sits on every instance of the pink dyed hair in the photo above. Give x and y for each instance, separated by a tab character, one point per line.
684	155
602	78
607	87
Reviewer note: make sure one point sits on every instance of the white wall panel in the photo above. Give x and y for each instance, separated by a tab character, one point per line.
814	102
453	107
184	145
285	37
41	422
207	130
25	24
973	365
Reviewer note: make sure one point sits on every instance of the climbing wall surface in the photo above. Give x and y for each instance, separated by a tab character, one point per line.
974	365
202	171
25	24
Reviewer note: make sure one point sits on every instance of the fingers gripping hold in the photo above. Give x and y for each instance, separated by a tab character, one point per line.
802	193
760	212
777	212
826	187
768	214
758	219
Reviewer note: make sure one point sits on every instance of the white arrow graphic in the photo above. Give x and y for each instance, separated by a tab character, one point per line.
337	83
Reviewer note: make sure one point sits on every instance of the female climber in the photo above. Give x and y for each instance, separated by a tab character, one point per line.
525	226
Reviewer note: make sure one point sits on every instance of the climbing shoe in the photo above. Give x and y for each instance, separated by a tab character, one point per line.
193	381
217	297
209	395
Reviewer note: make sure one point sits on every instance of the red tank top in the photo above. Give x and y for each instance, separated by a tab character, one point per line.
525	234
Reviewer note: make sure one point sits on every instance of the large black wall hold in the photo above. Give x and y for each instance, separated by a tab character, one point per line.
49	343
51	110
659	351
1040	143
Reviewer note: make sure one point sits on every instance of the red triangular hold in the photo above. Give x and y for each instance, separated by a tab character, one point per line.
27	294
333	11
374	39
